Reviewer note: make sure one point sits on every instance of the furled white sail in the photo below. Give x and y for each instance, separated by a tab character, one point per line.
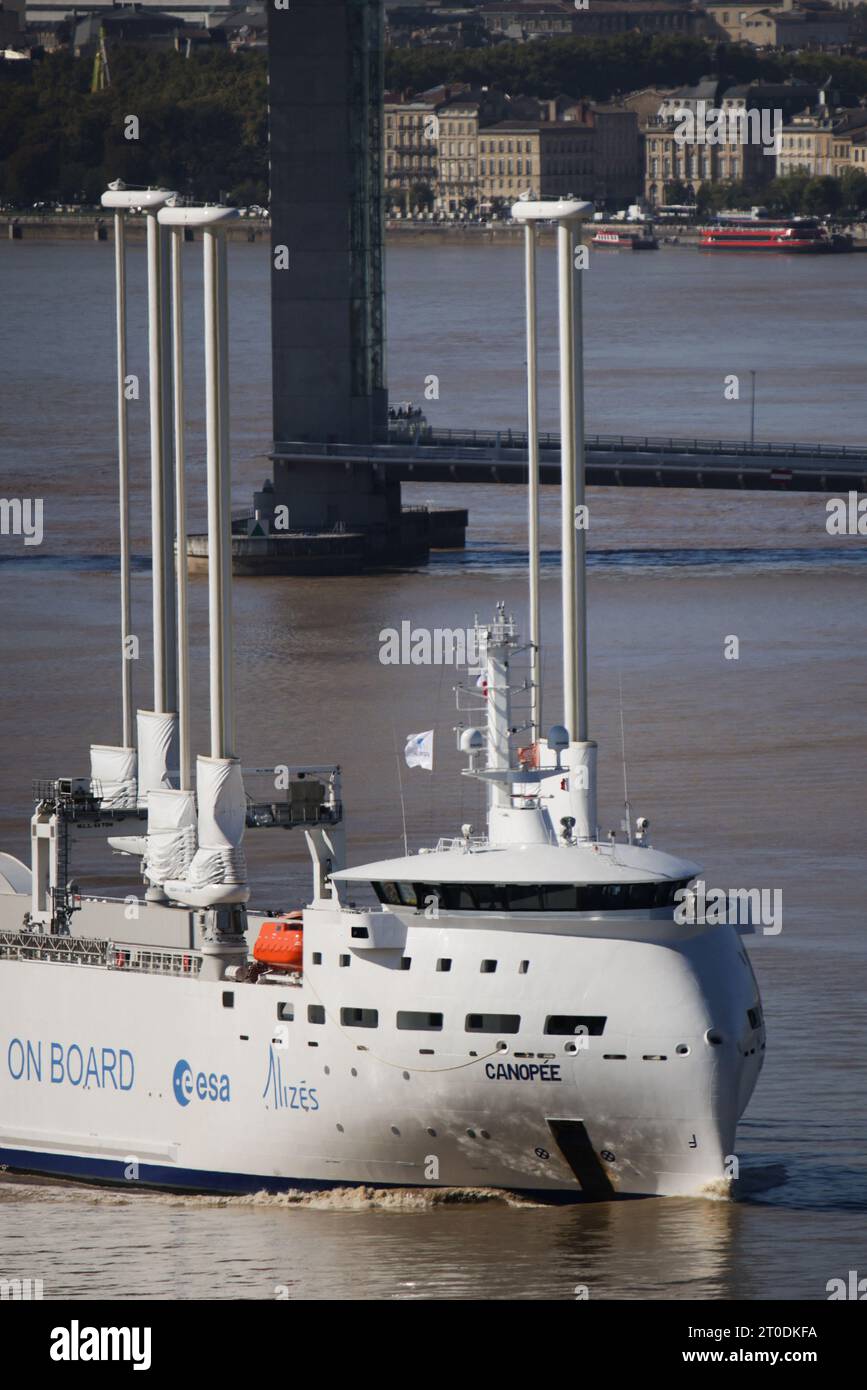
218	873
113	776
158	757
171	837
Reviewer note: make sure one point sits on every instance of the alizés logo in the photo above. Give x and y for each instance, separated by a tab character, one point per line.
206	1085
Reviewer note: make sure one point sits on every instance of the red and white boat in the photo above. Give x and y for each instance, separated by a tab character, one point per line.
798	235
626	241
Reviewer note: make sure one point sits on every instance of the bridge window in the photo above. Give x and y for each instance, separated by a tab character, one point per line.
493	1023
532	897
567	1025
488	967
444	964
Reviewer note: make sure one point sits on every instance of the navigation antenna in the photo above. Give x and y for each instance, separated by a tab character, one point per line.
627	823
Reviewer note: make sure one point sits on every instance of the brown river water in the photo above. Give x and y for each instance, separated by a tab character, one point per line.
754	767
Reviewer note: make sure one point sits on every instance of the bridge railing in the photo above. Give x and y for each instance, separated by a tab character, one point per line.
634	443
463	442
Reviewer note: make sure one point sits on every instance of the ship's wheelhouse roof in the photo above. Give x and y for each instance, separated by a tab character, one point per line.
530	864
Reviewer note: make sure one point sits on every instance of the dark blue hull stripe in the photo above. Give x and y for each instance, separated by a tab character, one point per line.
111	1170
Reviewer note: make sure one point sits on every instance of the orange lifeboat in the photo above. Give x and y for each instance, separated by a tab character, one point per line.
280	943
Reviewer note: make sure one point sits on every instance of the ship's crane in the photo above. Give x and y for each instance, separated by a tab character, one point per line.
101	72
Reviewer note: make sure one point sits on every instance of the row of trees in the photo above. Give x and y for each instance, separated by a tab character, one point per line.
600	68
202	127
793	195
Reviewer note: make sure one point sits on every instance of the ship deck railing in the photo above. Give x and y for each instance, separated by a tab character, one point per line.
153	960
462	842
100	953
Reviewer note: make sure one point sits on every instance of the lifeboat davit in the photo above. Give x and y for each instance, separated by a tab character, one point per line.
280	943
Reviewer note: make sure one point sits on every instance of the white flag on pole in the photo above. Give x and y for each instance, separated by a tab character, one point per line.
419	750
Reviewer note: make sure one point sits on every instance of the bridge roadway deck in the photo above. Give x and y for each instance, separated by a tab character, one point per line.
484	456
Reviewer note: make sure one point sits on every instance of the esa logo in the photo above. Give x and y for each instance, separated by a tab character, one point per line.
205	1085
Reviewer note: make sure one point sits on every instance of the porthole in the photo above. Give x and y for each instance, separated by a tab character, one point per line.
713	1037
471	1134
340	1129
395	1131
682	1050
484	1133
352	1071
432	1133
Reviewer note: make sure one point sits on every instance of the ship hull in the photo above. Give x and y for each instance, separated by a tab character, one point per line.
197	1085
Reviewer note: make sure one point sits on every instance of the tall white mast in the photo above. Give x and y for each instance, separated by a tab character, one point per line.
568	213
217	875
123	468
162	504
222	719
211	222
533	482
184	755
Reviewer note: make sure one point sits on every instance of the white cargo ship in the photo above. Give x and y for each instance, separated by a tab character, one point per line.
518	1009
